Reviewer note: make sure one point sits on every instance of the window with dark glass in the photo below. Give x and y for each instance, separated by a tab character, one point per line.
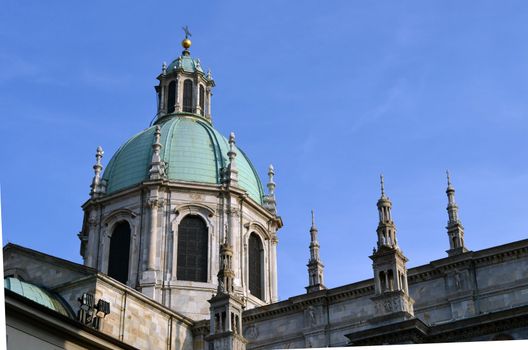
192	249
255	266
171	100
187	96
118	258
202	99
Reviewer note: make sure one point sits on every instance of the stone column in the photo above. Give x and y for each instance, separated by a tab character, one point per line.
273	279
93	240
196	86
153	239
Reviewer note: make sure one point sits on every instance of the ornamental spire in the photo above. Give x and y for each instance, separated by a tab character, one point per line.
455	230
389	265
315	265
386	228
232	170
96	181
269	199
157	168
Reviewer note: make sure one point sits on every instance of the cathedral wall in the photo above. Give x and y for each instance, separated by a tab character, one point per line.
137	321
39	271
431	303
502	285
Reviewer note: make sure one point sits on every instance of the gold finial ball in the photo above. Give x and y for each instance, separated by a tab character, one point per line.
186	43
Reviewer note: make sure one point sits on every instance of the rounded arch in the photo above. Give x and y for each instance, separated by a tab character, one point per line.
192	251
256	265
110	223
207	214
119	251
257	228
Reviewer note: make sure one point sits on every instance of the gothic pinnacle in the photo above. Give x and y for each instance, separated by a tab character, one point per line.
455	230
315	266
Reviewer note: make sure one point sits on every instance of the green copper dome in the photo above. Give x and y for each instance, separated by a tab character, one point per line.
38	295
187	63
192	150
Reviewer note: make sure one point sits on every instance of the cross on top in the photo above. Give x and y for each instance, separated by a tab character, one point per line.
187	32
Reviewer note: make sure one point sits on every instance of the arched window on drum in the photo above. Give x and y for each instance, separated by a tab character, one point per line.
256	266
192	249
119	252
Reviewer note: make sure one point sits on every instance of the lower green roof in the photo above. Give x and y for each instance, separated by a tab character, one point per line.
38	295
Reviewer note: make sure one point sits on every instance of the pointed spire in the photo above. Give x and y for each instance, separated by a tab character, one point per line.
452	208
157	168
455	230
382	183
386	228
389	266
448	180
96	181
232	170
315	265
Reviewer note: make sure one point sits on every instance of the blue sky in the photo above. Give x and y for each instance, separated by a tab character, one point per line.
331	92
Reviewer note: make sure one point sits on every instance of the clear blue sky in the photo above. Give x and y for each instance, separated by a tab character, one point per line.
331	92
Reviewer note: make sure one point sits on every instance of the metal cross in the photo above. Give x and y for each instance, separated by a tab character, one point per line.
187	32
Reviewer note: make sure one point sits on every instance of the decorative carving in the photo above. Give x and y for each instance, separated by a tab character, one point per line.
310	316
155	203
233	211
251	332
458	282
196	196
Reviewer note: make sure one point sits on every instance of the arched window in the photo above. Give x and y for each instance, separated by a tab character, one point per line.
171	100
188	96
192	249
256	264
383	283
390	277
118	257
202	99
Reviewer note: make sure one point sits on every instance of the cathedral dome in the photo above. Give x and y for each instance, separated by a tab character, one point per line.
192	150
